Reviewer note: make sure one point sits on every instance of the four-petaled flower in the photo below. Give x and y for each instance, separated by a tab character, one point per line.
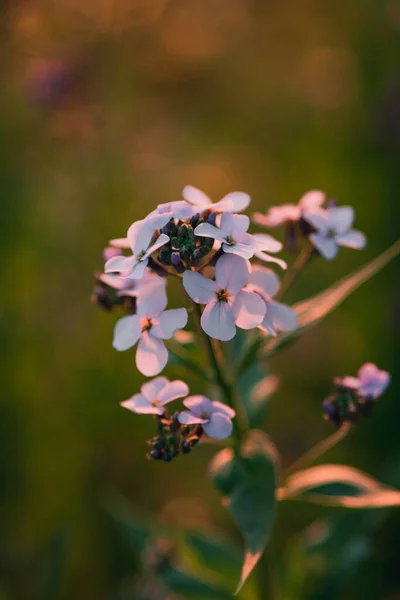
227	303
232	202
155	394
290	213
278	317
333	230
149	327
214	417
370	383
139	237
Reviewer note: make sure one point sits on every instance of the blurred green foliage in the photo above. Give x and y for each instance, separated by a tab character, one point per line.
108	108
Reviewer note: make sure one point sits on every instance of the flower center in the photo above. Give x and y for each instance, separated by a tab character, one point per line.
146	325
229	240
330	234
140	254
222	296
206	416
156	403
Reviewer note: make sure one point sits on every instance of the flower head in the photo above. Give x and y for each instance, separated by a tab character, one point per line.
370	383
155	394
290	213
333	230
214	417
232	202
149	327
227	303
278	317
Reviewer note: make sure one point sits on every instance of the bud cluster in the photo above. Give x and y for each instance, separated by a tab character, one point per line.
172	438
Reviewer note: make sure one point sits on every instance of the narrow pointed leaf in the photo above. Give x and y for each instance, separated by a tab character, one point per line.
191	587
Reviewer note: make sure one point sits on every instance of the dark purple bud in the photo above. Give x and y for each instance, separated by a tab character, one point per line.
196	258
194	221
291	237
177	262
212	217
155	454
167	457
186	447
101	297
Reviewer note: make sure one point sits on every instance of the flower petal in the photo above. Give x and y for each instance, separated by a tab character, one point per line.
122	243
151	389
151	355
248	310
151	300
263	241
196	197
232	202
268	258
264	281
160	241
126	332
139	404
173	390
187	418
219	426
352	239
199	288
238	225
326	246
341	218
209	231
232	273
283	317
267	326
199	405
218	322
244	250
138	269
319	219
312	199
139	236
169	322
223	408
120	264
351	382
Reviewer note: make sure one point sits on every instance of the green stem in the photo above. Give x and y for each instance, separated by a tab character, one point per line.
294	270
318	450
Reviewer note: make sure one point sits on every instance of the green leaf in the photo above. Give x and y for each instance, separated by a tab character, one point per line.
247	479
190	586
255	390
339	485
217	554
313	310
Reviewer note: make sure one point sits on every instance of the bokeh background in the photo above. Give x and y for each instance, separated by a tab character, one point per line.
108	108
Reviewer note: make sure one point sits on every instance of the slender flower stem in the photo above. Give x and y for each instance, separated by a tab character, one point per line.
318	450
294	270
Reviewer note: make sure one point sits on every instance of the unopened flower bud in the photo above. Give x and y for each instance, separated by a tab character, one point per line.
211	219
196	258
177	262
164	256
186	447
155	454
101	297
195	220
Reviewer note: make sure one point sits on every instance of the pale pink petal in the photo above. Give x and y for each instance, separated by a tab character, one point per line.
172	391
240	224
226	224
151	389
326	246
319	219
199	405
209	231
218	322
196	197
267	326
120	264
219	426
367	371
151	355
139	404
122	243
114	281
199	288
223	408
169	322
264	281
187	418
139	236
312	199
268	258
179	209
157	220
352	239
351	382
232	273
160	241
232	202
244	250
248	310
341	218
126	332
265	242
152	300
138	269
283	317
278	215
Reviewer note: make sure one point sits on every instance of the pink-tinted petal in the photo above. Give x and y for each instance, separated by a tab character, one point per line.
179	209
278	215
265	242
199	288
232	202
267	326
169	322
352	239
172	391
152	300
120	264
199	405
151	355
139	404
264	281
114	281
219	426
151	389
244	250
268	258
312	199
326	246
218	322
283	317
341	218
319	219
351	382
232	273
240	224
207	230
223	408
196	197
126	332
187	418
368	371
122	243
248	310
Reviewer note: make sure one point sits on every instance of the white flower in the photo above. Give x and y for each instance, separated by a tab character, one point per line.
290	213
370	383
278	317
232	202
139	237
155	394
214	417
227	303
149	327
333	230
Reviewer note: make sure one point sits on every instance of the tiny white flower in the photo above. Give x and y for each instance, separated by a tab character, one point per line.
333	230
155	394
278	317
139	237
228	304
290	213
149	327
232	202
370	383
214	417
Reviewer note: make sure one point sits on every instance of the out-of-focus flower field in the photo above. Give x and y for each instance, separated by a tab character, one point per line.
107	109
